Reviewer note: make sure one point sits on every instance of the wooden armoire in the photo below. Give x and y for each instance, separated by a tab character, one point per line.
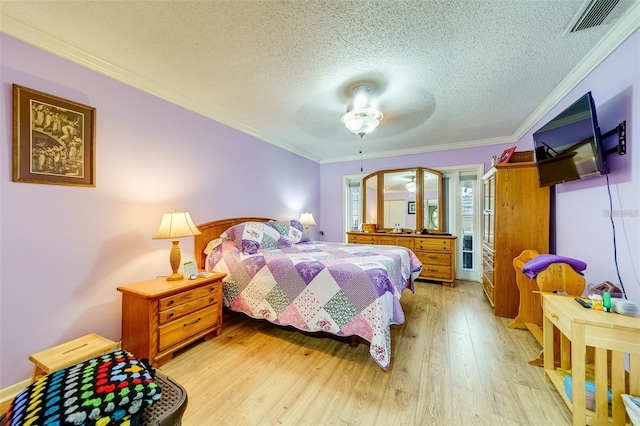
516	215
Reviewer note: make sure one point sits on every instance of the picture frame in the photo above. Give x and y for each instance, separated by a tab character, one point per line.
506	155
411	207
53	139
191	269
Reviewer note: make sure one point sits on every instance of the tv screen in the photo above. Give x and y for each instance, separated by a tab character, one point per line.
569	147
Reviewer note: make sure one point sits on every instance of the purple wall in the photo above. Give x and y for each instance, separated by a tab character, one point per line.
64	250
583	226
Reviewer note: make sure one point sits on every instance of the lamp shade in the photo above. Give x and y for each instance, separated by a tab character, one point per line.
362	120
307	219
175	225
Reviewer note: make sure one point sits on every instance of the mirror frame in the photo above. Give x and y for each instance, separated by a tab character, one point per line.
420	202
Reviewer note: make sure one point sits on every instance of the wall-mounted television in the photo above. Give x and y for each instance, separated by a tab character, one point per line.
569	147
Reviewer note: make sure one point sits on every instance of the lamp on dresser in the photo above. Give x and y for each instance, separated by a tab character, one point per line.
176	225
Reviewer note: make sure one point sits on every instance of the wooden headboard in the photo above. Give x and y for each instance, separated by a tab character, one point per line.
212	230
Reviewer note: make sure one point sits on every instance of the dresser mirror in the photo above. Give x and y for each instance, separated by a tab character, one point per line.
409	199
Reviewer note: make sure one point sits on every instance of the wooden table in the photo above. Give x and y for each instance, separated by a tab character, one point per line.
613	336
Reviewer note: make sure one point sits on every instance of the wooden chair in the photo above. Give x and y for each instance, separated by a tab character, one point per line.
557	277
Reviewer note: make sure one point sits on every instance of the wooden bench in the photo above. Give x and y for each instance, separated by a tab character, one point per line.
69	353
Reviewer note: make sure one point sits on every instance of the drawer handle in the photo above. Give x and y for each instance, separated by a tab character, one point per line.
554	316
192	323
432	257
171	302
212	299
432	270
171	314
212	288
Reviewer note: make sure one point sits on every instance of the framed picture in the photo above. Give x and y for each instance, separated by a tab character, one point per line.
506	155
411	207
53	140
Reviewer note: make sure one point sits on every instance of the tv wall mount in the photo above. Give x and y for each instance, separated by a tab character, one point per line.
621	131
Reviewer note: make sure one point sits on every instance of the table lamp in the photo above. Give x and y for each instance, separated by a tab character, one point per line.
307	219
175	225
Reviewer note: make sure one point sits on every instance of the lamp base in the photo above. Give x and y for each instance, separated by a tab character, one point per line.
175	277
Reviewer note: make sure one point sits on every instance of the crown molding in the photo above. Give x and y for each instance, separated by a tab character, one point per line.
26	33
621	30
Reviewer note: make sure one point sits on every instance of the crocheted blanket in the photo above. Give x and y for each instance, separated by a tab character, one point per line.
111	389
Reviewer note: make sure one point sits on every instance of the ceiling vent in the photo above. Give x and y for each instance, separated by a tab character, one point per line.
591	14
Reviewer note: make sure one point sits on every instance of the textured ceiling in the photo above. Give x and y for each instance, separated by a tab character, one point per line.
445	74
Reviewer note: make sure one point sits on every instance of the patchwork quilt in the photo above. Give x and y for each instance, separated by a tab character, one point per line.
343	289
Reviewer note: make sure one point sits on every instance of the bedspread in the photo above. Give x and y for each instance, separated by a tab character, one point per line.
342	289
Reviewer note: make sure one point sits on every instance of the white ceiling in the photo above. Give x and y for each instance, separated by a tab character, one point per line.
446	74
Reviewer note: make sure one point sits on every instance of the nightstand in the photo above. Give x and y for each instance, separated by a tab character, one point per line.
159	316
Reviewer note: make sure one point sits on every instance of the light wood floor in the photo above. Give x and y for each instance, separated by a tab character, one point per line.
453	363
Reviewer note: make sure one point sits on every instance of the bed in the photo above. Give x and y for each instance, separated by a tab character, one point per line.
275	273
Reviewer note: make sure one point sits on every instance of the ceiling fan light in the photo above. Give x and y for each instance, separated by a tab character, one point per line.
411	186
362	120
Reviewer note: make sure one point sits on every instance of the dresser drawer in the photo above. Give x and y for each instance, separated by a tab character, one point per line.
433	244
487	259
188	326
487	287
188	296
405	242
434	258
435	272
387	241
187	308
363	239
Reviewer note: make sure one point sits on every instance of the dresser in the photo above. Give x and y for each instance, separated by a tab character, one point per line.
436	252
159	316
515	218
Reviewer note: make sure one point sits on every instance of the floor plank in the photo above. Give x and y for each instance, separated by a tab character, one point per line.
453	362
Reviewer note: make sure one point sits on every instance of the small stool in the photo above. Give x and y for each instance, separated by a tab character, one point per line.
70	353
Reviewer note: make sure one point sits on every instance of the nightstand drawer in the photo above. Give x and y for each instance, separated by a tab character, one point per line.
187	296
187	308
188	326
433	244
434	258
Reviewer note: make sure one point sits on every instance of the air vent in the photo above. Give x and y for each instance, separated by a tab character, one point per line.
592	14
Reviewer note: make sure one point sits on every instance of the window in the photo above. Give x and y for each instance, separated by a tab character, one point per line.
353	204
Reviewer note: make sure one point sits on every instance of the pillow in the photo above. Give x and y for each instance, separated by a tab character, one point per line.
291	230
252	236
212	244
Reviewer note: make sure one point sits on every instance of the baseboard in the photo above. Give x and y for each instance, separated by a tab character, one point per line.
9	393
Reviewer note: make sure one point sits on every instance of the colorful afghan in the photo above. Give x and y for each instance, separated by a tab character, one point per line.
107	390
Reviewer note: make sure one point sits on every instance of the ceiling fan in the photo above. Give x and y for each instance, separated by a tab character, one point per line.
402	105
